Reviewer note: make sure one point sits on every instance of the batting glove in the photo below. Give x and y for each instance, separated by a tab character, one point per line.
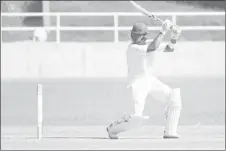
166	26
175	32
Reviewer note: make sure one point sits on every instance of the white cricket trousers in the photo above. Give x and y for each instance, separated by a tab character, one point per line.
142	87
160	91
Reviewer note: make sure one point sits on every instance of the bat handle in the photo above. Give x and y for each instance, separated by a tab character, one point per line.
155	18
159	20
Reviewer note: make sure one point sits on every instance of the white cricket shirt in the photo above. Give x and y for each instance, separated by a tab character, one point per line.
139	62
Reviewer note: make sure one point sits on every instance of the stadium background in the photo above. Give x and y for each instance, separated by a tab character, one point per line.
91	101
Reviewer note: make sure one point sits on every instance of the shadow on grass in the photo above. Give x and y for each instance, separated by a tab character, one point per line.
206	4
96	138
91	138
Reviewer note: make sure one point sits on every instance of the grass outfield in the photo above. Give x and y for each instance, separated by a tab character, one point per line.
200	137
117	6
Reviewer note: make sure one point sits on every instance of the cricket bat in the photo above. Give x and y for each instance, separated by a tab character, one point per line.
145	12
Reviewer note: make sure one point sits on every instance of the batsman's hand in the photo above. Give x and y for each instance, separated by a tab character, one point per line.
175	32
166	26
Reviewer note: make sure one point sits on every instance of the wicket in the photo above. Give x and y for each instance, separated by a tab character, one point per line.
40	108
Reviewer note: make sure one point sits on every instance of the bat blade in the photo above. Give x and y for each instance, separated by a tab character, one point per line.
145	12
142	10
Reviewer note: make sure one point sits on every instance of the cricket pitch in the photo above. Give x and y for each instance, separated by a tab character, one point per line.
96	138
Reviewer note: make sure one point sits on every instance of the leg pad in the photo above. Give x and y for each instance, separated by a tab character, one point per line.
126	123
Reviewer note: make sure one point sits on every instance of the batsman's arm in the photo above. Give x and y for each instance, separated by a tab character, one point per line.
156	42
154	45
170	46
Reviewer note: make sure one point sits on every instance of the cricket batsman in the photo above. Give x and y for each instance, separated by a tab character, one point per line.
140	54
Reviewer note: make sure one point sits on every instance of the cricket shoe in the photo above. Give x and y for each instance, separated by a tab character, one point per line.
111	135
171	136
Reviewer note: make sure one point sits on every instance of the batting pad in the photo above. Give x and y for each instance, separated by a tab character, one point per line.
127	123
173	113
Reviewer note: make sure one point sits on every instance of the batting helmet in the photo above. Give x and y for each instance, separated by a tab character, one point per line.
139	29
